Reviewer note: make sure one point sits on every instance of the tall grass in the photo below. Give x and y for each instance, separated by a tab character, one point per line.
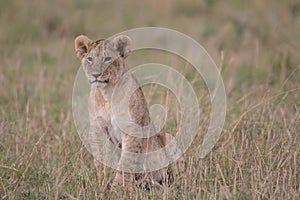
255	45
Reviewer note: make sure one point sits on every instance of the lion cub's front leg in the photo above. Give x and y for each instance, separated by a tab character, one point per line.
96	140
123	177
132	163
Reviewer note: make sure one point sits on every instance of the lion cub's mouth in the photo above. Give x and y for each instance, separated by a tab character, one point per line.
100	80
100	83
97	81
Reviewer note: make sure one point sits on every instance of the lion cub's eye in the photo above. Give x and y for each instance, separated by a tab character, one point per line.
89	59
107	59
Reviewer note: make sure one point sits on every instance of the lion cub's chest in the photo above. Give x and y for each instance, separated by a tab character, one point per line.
100	109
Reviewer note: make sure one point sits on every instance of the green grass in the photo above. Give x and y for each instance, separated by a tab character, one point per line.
256	45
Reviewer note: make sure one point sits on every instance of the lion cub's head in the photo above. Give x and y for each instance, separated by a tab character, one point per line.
103	60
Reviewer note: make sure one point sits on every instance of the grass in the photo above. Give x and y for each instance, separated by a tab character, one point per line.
255	45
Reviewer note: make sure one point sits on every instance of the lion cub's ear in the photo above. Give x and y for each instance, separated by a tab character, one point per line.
122	44
82	44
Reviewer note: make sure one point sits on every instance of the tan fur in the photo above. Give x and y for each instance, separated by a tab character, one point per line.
93	56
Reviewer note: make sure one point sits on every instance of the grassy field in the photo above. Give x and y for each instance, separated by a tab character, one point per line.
255	45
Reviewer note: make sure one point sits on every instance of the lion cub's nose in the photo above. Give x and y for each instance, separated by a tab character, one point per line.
96	75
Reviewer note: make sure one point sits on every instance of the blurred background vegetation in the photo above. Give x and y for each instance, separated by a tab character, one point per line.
254	43
256	35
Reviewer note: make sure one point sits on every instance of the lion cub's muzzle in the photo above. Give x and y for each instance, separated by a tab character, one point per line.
99	80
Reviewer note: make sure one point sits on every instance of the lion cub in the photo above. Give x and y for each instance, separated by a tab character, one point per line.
103	62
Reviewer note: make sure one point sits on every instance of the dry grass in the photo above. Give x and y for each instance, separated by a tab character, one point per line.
256	45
